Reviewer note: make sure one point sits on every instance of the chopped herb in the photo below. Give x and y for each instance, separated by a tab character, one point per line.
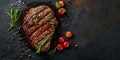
52	52
57	5
14	14
35	21
42	43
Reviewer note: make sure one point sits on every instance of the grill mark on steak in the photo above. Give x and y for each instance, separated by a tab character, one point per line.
39	38
40	23
39	31
32	29
41	15
31	19
35	33
30	14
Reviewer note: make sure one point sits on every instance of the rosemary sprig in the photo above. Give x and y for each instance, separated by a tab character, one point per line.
14	15
42	43
52	52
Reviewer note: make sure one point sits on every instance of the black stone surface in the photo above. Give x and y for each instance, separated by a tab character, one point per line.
95	25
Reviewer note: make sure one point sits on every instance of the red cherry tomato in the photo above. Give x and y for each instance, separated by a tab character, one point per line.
66	44
68	34
60	12
61	3
59	47
61	39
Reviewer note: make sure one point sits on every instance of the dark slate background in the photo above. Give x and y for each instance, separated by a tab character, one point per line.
94	23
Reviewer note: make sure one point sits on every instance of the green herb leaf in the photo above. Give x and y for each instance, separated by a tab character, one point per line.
52	52
51	22
42	43
14	15
49	17
63	9
57	5
35	21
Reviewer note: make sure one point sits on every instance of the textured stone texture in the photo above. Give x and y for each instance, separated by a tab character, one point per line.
94	23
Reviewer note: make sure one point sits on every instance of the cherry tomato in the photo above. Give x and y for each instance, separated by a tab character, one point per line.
66	44
59	47
61	3
68	34
61	39
60	12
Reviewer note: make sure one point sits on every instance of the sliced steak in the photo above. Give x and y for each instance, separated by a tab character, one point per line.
38	23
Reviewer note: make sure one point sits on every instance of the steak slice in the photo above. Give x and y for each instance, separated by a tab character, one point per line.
38	23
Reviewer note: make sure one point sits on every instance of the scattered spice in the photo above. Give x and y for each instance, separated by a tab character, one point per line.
61	19
12	5
18	28
29	55
18	3
21	38
16	32
75	45
28	50
21	55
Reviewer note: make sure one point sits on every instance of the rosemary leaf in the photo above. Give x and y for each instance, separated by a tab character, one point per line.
52	52
14	15
42	43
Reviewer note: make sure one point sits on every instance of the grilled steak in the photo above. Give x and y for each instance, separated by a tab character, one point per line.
38	23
